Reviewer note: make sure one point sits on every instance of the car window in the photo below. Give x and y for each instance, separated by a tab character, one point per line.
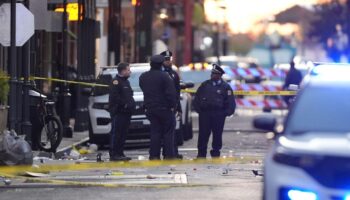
134	80
321	109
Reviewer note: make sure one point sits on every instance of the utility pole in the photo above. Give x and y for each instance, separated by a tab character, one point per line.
188	9
86	60
13	69
114	30
143	30
65	95
26	126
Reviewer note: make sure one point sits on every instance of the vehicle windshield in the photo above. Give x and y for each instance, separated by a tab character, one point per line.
321	109
195	76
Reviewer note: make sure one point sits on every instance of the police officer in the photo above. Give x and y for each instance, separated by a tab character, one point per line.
160	101
294	77
121	104
214	101
176	79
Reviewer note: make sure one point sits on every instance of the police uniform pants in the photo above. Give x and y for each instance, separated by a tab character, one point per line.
210	122
120	127
162	129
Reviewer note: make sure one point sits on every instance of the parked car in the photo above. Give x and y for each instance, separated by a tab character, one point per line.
310	158
139	131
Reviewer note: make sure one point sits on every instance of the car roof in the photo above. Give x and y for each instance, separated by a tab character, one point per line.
330	75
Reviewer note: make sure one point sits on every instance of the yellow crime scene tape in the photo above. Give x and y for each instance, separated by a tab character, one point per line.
239	92
62	81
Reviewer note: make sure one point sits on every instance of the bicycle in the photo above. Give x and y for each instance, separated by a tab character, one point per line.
48	125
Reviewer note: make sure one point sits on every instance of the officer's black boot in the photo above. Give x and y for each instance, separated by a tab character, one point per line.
201	155
215	153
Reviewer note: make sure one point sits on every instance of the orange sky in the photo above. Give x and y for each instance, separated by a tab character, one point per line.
243	14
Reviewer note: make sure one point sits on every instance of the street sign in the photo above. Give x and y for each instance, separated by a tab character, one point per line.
24	24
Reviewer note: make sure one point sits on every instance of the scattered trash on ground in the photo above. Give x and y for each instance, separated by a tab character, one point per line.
35	175
114	173
14	150
151	177
141	158
99	157
6	181
42	159
256	173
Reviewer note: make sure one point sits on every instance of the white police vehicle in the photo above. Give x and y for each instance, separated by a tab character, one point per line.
139	131
310	158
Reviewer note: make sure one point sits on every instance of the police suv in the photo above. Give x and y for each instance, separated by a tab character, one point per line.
139	131
310	158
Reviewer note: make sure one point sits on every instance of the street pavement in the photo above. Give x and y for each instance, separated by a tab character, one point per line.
233	178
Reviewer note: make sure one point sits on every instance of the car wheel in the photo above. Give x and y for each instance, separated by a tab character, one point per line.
188	131
187	127
179	139
180	135
92	140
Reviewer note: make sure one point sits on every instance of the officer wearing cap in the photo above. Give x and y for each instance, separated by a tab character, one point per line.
121	105
160	101
167	64
214	101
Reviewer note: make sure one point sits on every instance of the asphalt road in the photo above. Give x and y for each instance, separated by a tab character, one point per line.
229	180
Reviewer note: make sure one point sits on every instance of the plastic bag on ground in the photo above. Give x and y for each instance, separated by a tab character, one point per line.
14	150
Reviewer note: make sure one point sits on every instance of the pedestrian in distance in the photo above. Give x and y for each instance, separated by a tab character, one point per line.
160	101
294	77
213	101
168	64
121	106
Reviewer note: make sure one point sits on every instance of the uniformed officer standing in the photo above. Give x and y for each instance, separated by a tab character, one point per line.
121	104
160	100
176	79
214	101
294	77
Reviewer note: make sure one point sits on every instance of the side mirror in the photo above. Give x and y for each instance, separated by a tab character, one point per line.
87	91
186	85
265	122
189	85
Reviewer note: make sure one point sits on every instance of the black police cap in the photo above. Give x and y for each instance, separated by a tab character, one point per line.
167	54
157	59
217	69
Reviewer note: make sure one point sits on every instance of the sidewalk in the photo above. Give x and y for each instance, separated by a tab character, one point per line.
78	138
